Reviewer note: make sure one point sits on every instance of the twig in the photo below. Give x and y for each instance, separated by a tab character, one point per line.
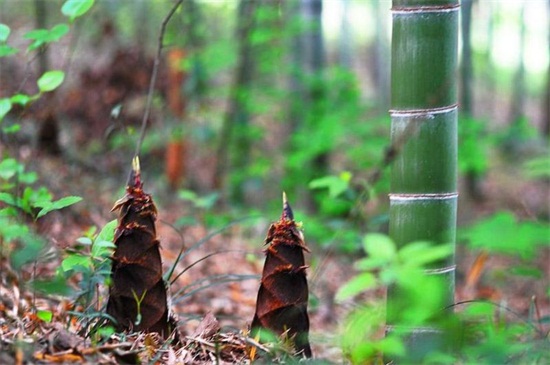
154	77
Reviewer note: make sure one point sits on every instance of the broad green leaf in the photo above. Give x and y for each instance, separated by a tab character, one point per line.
8	168
501	233
28	178
4	32
336	185
50	80
44	315
12	231
84	241
74	261
39	37
58	31
6	50
45	36
75	8
58	204
102	248
538	167
5	107
379	246
7	198
356	285
188	195
107	232
419	254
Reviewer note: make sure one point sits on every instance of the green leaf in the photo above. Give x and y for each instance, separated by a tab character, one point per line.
75	8
5	107
7	198
14	128
75	261
501	233
56	205
6	50
50	80
58	31
44	315
21	99
28	178
336	185
107	232
538	167
45	36
356	285
419	254
39	37
8	168
4	32
379	246
102	248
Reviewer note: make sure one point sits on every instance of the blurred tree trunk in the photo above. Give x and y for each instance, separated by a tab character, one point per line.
48	133
381	56
517	104
234	130
315	61
346	40
296	85
473	179
423	195
546	100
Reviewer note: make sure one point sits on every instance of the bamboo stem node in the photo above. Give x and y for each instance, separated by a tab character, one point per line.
398	10
415	113
441	270
434	196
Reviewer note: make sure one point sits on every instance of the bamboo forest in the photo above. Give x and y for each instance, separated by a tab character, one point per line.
275	182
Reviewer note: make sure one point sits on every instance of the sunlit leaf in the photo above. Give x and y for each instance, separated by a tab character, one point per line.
6	50
8	168
336	185
5	107
107	232
73	261
358	284
44	315
50	80
4	32
379	246
75	8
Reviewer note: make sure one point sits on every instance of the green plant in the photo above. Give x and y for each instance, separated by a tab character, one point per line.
201	204
386	265
473	331
22	200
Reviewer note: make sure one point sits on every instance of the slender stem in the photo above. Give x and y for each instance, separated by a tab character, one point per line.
154	77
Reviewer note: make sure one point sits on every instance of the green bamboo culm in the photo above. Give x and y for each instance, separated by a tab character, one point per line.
423	197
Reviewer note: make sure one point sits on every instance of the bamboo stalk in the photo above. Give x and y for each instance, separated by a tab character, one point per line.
423	196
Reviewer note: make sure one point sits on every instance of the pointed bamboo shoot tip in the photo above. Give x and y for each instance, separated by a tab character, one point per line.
287	211
135	164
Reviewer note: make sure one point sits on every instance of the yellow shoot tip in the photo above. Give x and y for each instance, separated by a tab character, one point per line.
135	164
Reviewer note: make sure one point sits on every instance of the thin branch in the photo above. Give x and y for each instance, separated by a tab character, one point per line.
154	77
